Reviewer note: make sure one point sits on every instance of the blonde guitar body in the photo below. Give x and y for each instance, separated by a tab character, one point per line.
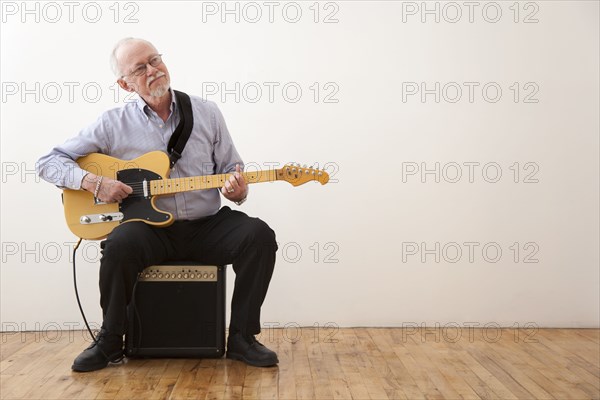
79	203
89	218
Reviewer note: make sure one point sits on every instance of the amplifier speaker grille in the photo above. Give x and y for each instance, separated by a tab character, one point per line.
178	317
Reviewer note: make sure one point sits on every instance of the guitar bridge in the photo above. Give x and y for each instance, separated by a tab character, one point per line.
100	218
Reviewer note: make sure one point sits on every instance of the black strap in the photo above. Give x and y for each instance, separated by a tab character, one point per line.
182	133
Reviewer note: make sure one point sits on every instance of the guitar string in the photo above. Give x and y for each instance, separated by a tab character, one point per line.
140	185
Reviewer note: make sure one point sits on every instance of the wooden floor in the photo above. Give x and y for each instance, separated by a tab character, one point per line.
354	363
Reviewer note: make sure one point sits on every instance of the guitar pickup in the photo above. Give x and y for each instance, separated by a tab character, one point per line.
100	218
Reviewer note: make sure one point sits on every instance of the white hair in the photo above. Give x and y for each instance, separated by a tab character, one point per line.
114	62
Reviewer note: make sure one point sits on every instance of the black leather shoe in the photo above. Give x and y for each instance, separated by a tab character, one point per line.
108	348
250	351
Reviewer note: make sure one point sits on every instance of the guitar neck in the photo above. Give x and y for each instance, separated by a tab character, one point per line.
188	184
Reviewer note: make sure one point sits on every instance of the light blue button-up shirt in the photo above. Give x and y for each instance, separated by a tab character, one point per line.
135	129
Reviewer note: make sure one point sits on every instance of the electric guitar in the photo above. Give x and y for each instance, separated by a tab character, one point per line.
90	218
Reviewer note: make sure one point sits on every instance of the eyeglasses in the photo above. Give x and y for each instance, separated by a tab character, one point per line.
140	70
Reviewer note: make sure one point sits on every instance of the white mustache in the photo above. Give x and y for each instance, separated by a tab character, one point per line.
155	77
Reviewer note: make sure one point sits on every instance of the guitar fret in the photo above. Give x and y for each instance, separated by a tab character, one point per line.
178	185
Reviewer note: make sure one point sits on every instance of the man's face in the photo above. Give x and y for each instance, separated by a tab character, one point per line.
154	82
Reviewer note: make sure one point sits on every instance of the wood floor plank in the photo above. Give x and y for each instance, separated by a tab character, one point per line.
442	355
28	374
346	350
519	370
318	370
286	384
394	371
11	342
371	365
566	367
349	363
268	382
592	334
57	380
431	381
482	378
559	342
480	352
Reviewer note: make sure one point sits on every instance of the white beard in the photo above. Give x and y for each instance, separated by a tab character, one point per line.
161	88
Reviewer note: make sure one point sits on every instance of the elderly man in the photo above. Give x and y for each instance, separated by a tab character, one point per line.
203	231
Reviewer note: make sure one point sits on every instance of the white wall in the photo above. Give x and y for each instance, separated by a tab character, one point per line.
375	223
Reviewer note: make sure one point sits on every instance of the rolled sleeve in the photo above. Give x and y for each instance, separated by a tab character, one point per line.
59	167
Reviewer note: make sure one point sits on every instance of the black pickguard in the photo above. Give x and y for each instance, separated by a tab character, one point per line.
136	206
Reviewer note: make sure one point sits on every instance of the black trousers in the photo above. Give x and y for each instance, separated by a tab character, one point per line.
228	237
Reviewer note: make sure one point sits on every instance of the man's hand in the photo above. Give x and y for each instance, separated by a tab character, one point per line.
111	191
235	188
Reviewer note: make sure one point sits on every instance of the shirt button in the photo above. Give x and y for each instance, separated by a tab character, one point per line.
160	126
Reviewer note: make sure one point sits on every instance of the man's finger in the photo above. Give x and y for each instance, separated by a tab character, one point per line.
238	173
228	187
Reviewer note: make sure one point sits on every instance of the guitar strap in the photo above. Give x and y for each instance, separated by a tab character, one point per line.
182	132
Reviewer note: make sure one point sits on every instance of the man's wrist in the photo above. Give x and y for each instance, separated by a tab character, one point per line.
89	182
240	202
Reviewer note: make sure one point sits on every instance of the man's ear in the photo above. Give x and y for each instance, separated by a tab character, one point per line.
125	85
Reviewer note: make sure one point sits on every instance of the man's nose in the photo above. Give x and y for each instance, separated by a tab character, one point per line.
150	70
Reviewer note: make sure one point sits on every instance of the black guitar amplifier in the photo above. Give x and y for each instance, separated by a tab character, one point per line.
177	310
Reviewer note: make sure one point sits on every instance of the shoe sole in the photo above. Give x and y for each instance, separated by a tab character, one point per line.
96	367
239	357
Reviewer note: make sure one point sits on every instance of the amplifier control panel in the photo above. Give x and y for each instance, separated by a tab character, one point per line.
179	273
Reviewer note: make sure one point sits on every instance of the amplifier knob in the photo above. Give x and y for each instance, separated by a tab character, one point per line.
192	276
179	276
205	276
147	275
167	275
160	275
212	276
185	276
154	275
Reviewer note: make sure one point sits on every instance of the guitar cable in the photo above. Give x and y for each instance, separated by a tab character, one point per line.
81	308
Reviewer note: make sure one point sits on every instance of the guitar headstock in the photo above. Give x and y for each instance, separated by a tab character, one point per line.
298	175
